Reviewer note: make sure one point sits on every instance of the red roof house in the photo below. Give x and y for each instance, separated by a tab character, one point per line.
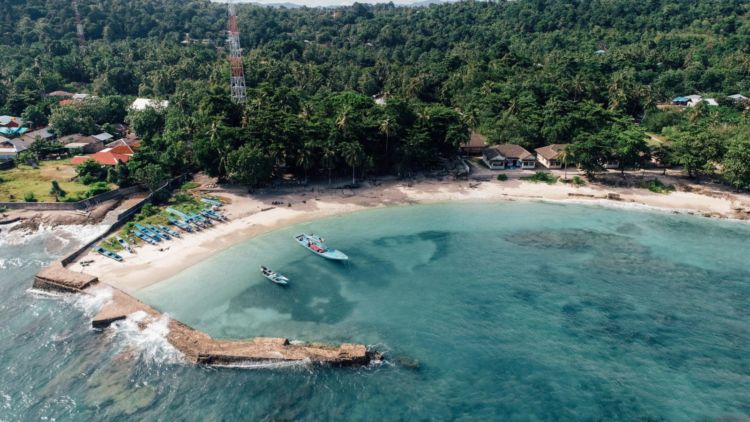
106	157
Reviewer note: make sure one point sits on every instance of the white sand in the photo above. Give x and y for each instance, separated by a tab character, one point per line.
150	265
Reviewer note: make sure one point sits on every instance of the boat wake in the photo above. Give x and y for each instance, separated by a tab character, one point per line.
145	339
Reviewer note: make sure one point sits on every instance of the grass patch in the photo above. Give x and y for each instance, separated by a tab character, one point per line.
157	216
656	186
502	177
189	185
541	177
23	179
578	181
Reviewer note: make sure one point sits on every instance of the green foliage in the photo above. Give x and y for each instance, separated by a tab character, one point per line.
578	181
502	177
542	177
657	186
152	176
29	197
97	188
148	210
91	172
56	190
189	185
736	162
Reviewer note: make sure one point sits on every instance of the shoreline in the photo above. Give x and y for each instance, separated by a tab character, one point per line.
257	214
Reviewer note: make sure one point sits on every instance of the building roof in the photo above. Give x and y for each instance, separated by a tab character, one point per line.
11	121
711	101
144	103
507	151
73	145
15	145
476	140
3	139
42	133
551	152
106	157
80	96
680	99
104	136
60	94
76	137
738	97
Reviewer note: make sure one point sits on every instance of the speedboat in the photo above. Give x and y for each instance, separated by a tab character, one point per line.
314	244
273	276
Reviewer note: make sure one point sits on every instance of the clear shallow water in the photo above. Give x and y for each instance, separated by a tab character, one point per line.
514	311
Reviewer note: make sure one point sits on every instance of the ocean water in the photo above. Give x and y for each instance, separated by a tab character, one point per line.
508	311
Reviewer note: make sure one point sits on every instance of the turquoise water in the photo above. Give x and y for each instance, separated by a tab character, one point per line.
512	311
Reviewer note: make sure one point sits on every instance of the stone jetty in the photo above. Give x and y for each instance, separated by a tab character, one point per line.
196	346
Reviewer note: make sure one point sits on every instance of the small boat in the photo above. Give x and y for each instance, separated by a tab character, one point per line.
149	233
200	219
211	215
178	213
169	231
181	224
212	202
108	254
273	276
315	244
145	238
159	232
124	244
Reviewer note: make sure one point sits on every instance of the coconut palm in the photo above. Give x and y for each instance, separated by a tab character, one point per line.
353	154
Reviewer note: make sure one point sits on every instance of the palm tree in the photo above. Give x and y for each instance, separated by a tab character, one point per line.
353	155
565	157
329	156
386	128
304	157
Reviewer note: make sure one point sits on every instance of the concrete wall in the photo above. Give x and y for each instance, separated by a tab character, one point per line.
71	206
122	218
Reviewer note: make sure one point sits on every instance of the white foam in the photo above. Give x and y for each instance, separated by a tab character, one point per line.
150	343
93	300
298	364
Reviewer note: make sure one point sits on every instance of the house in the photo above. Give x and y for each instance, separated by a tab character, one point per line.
40	134
600	52
141	104
104	137
680	101
130	141
107	156
78	142
474	146
80	97
10	121
711	102
60	94
9	148
550	155
508	156
738	98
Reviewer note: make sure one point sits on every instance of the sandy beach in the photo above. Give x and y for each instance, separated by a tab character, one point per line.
253	214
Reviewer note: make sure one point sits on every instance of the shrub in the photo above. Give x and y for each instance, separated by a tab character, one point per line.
97	188
29	197
656	186
189	185
578	181
148	210
541	176
502	177
3	209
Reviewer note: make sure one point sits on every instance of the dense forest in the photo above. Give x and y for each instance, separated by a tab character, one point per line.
532	72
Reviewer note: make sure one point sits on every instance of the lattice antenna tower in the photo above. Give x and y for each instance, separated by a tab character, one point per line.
79	26
237	74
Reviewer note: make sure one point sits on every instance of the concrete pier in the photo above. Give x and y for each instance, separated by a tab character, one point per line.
196	346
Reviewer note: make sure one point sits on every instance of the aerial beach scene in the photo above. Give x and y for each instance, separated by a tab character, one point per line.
375	211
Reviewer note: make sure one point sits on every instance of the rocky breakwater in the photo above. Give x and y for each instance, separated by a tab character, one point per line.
199	347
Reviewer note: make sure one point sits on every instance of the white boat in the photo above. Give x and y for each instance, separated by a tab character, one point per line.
314	244
273	276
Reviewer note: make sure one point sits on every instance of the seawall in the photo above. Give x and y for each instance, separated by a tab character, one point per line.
196	346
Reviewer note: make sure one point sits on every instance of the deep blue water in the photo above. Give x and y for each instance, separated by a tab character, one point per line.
512	311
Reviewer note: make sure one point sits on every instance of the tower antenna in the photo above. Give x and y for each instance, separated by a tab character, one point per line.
237	74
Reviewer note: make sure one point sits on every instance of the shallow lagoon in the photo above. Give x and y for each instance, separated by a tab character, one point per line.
513	311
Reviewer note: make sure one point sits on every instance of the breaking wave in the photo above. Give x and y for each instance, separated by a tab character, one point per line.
145	339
